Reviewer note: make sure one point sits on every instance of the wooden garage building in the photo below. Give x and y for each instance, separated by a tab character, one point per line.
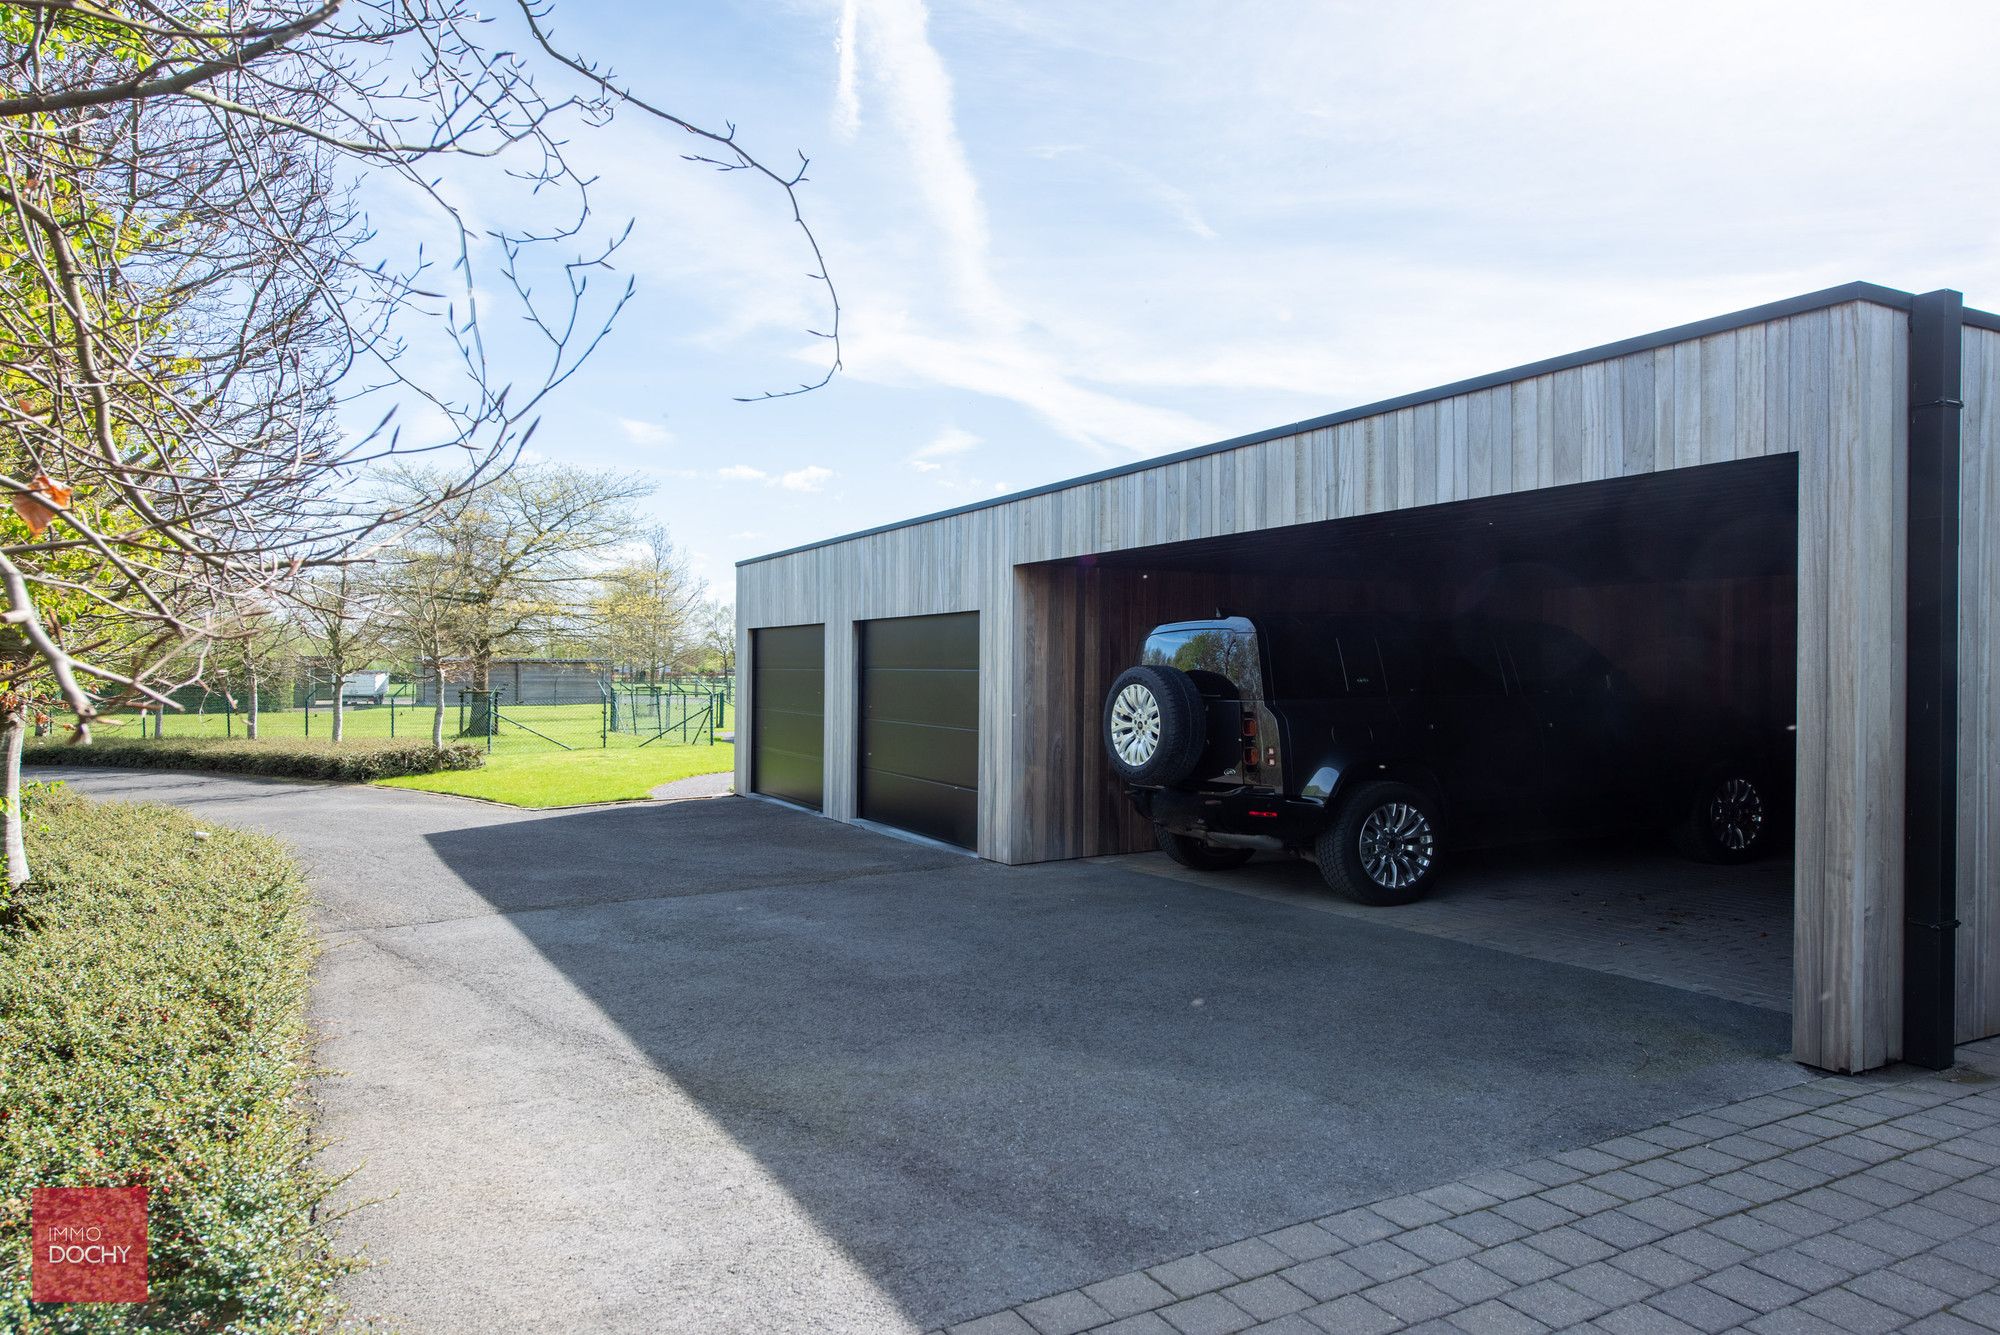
944	675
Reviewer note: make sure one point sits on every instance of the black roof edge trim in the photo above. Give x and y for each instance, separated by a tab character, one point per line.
1982	319
1718	324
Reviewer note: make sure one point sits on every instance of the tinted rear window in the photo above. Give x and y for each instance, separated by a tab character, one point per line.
1214	657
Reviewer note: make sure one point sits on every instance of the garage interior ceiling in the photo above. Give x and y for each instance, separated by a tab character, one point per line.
1722	520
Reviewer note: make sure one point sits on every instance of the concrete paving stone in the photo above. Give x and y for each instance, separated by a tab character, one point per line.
1900	1292
1250	1258
1981	1309
1663	1214
1502	1185
1707	1200
1793	1321
1456	1198
1589	1161
1753	1288
1667	1172
1986	1186
1757	1111
1269	1298
1705	1249
1879	1192
1757	1190
1496	1318
1145	1323
1412	1299
1953	1166
1784	1137
1844	1254
1519	1262
1488	1228
1383	1261
1796	1177
1466	1280
1535	1212
1911	1175
1639	1319
1191	1275
1921	1218
1625	1185
1208	1314
1570	1246
1657	1266
1816	1125
1970	1119
1355	1227
1548	1172
1899	1243
1838	1204
1704	1309
1858	1146
1127	1295
1981	1256
1854	1113
1555	1304
1437	1325
1435	1243
1409	1211
1701	1124
1707	1160
1580	1199
1794	1218
1669	1137
1744	1231
1852	1312
1827	1161
1286	1325
1327	1277
1608	1284
1799	1270
1969	1147
1943	1323
1960	1204
1000	1323
1628	1149
1895	1136
1812	1094
1619	1230
1065	1313
1305	1242
1747	1148
1352	1315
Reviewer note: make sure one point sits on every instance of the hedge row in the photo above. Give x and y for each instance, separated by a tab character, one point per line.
153	978
355	760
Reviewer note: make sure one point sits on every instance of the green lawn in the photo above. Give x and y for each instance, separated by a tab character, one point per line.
523	728
566	778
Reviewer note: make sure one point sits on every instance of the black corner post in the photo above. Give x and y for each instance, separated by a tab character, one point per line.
1930	818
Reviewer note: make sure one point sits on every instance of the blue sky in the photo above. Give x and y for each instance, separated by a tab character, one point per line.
1069	236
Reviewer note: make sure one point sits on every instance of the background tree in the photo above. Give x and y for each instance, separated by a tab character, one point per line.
649	608
340	619
427	612
529	548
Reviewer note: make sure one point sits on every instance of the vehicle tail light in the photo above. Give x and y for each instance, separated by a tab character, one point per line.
1249	757
1271	755
1249	725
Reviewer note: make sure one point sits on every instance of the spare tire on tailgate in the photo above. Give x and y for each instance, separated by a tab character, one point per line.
1155	725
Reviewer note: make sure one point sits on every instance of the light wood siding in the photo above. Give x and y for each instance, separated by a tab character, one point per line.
1979	691
1829	385
1848	390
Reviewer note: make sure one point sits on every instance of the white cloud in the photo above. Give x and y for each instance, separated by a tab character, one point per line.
742	473
846	101
925	466
951	440
644	433
810	478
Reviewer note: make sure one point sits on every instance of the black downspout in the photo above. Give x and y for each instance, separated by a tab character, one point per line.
1930	813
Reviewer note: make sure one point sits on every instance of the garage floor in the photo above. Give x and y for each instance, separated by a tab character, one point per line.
721	1066
1626	907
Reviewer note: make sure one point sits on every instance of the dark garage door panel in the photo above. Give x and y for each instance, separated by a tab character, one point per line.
788	707
919	706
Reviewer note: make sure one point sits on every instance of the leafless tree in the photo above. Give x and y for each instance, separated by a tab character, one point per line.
207	342
341	618
647	610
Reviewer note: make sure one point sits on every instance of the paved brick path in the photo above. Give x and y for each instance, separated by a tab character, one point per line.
1855	1205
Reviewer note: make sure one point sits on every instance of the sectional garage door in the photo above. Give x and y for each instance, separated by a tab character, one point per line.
788	713
919	763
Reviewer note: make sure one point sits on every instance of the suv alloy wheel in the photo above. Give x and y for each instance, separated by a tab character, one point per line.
1382	845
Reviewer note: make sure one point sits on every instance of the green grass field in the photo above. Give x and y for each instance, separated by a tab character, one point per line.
548	778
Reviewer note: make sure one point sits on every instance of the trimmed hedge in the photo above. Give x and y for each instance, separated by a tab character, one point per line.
354	761
154	979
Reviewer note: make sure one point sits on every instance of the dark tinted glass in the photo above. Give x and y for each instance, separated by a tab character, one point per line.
1224	655
1463	662
1553	661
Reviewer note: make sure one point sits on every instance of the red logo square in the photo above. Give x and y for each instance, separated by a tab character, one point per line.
89	1244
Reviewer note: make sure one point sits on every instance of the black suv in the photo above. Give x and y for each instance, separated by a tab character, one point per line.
1379	743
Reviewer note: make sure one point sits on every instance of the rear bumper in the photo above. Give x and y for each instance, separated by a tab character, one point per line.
1232	818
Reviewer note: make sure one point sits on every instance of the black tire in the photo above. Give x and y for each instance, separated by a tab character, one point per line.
1730	818
1381	847
1155	726
1192	852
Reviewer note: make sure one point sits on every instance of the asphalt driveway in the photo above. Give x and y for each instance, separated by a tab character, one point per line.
721	1066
